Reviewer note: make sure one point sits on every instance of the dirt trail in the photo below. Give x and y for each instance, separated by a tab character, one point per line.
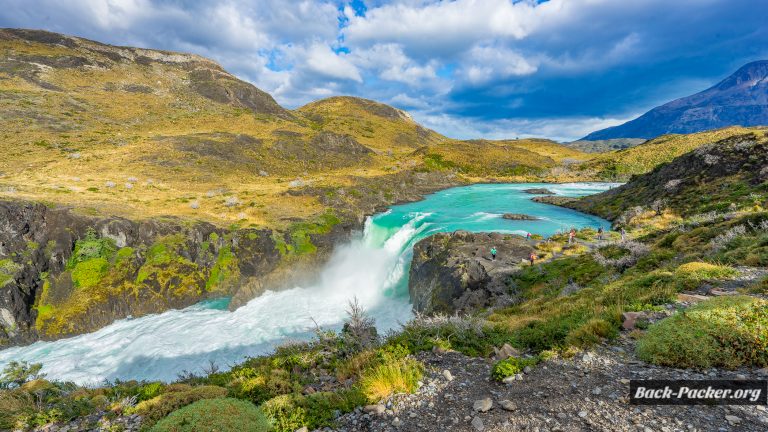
586	393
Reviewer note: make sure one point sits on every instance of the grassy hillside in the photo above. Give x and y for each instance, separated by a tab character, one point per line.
726	175
141	133
620	165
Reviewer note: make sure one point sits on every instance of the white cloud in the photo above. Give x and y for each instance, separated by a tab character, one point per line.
559	129
483	63
321	59
404	101
467	57
389	62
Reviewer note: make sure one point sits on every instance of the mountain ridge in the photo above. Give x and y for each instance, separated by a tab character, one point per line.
739	99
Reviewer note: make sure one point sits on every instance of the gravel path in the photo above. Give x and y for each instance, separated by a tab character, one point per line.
586	393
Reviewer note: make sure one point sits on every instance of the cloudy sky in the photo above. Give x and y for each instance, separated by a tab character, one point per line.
467	68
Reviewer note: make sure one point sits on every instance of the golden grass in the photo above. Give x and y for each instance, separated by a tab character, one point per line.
65	147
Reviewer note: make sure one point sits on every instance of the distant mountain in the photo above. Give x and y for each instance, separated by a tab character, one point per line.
741	99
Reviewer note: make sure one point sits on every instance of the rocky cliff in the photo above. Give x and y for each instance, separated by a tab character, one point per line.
454	272
64	273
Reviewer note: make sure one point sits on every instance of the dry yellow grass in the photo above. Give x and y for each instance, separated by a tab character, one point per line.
135	139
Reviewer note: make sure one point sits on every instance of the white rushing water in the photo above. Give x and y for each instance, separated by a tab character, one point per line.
159	346
372	268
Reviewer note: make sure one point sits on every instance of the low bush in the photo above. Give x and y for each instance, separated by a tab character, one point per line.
590	333
511	366
158	407
392	377
290	412
14	405
725	332
690	275
621	255
469	336
215	415
760	287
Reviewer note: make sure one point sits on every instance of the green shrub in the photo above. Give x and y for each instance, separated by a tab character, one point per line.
392	377
690	275
285	413
511	366
15	374
292	411
149	391
14	405
760	287
726	332
590	333
261	385
215	415
158	407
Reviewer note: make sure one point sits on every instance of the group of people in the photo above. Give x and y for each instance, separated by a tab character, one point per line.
532	257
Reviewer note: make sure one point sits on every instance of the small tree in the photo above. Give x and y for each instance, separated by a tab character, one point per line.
359	331
15	374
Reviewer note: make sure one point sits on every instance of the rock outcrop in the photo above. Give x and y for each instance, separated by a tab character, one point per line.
538	191
519	217
733	170
64	273
454	272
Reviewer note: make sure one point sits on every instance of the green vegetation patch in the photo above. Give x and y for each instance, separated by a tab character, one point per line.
91	259
691	274
154	409
511	366
225	271
391	377
8	270
289	412
298	237
728	332
219	415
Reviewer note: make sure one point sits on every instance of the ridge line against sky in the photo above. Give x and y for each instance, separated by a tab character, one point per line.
466	68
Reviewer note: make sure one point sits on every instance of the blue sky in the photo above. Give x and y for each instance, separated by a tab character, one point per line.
466	68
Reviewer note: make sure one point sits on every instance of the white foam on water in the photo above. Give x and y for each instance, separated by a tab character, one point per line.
160	346
482	216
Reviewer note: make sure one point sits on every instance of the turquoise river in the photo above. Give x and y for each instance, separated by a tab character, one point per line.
373	267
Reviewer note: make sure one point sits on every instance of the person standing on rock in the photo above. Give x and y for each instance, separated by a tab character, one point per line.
572	236
600	233
528	236
623	234
493	253
532	257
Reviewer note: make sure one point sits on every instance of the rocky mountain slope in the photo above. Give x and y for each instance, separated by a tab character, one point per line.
621	165
724	175
741	99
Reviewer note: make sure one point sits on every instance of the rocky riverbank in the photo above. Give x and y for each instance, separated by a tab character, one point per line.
64	272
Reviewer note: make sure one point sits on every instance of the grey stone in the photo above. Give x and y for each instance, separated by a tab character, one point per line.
477	423
448	375
483	405
508	405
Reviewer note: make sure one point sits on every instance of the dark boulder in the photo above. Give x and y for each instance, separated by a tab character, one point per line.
538	191
454	272
519	217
